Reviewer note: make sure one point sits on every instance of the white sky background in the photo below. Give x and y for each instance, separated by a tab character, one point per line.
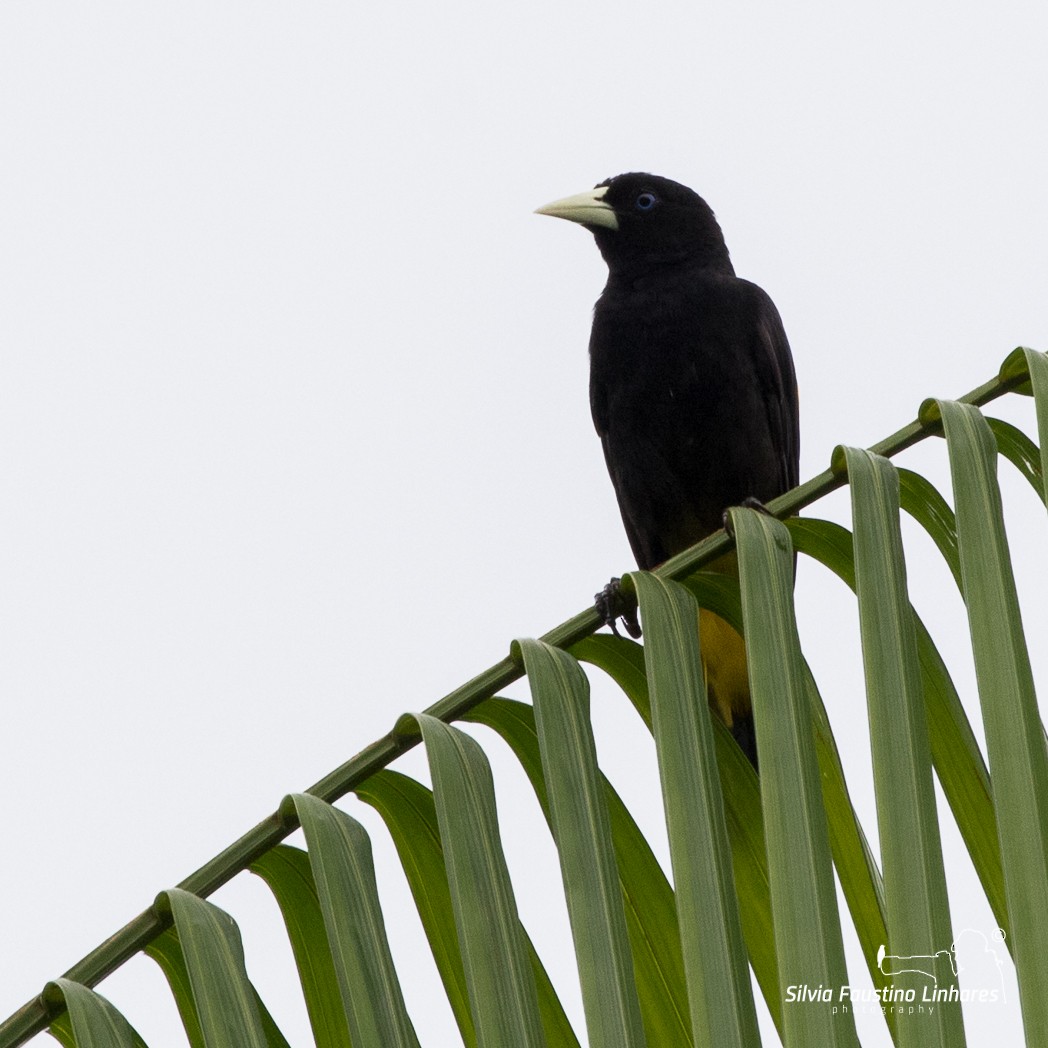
294	430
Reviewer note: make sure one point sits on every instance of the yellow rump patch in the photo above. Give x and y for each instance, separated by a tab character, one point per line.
724	663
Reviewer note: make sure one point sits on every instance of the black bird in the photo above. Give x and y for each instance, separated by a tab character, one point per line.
692	390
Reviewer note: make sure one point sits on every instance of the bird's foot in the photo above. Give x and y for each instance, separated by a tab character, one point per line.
751	503
611	605
747	503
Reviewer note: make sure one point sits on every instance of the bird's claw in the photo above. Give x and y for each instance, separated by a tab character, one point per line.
747	503
611	605
753	503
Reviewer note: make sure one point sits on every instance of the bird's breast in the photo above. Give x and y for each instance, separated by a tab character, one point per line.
653	349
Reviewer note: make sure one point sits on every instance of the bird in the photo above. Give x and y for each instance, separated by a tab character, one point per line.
692	391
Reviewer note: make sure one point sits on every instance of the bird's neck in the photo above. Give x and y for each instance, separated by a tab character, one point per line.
657	271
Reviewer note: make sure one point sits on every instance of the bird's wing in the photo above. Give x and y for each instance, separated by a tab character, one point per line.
774	365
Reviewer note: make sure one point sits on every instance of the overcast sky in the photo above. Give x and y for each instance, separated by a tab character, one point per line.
294	430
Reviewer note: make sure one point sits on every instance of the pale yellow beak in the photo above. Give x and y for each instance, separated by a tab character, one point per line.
587	208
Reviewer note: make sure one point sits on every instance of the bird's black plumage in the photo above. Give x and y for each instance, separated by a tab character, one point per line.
692	387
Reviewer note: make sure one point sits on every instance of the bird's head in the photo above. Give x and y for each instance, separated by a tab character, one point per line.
642	221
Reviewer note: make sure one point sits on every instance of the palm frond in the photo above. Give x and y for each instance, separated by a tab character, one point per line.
753	860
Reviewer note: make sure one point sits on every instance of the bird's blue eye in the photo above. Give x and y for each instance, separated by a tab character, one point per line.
646	201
